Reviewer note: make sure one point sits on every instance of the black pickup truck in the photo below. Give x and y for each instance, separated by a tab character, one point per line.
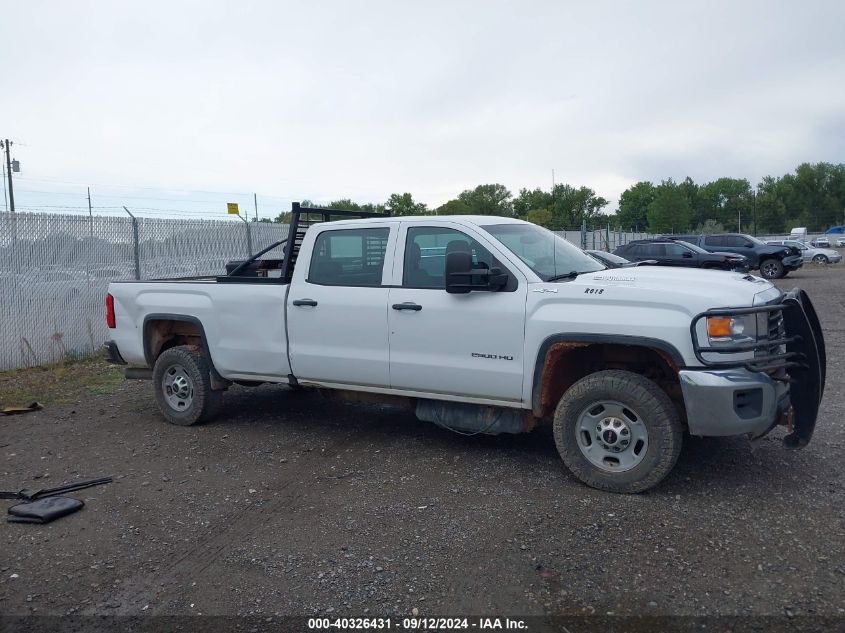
773	262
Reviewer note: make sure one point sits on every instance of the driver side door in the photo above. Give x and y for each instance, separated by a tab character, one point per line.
453	344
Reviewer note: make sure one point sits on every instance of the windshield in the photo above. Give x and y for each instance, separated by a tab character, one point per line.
545	253
755	240
609	257
692	247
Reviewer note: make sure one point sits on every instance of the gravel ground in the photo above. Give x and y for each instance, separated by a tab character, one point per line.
290	503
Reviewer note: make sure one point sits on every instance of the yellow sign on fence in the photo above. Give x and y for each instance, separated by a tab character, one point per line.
232	207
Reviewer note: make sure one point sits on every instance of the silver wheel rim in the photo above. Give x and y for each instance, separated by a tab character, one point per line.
770	269
612	436
820	259
178	388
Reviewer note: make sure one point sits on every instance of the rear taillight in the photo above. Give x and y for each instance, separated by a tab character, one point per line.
110	312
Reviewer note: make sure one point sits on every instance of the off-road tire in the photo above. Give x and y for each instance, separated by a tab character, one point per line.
665	431
204	401
772	269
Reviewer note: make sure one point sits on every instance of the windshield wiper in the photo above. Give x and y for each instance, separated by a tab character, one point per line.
570	275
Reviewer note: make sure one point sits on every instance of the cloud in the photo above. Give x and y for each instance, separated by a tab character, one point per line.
322	100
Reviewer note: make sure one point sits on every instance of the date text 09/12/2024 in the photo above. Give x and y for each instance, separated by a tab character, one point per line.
416	623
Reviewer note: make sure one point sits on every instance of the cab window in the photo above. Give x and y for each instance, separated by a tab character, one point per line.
348	257
425	255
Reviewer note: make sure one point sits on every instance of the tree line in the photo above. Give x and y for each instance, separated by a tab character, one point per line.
812	196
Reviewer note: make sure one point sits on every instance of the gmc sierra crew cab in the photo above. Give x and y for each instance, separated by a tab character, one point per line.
485	324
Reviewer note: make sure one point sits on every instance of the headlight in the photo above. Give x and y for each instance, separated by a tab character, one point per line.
723	330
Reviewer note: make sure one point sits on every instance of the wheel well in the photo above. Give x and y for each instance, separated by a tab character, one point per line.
162	334
567	362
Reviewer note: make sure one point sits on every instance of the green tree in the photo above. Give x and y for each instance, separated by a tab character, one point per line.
542	217
669	212
492	199
769	208
633	206
570	206
404	204
728	201
453	207
531	200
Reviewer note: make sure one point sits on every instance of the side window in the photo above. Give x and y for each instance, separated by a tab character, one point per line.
735	241
425	255
653	250
675	250
715	240
348	257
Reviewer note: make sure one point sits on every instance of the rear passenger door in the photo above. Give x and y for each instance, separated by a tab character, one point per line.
657	252
337	307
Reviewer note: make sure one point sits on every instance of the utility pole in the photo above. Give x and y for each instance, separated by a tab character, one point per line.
255	200
8	146
90	215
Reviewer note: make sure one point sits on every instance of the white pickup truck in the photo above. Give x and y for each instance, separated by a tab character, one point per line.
486	325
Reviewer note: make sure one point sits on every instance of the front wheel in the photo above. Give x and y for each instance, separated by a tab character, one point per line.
618	431
772	269
182	385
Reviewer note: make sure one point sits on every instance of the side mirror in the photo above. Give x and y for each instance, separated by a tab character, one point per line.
462	278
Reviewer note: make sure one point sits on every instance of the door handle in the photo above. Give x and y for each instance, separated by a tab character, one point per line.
304	302
408	305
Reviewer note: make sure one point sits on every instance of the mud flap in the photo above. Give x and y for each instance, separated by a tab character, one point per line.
808	379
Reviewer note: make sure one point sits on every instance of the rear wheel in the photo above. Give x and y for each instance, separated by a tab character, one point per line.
772	269
821	259
618	431
182	386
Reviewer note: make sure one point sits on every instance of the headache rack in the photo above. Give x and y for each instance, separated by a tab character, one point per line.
249	271
302	218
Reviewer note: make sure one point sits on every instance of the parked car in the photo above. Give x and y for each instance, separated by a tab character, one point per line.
514	328
609	259
820	242
669	252
773	262
811	253
836	235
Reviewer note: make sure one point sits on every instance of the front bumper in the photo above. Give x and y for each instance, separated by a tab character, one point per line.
732	401
783	380
793	262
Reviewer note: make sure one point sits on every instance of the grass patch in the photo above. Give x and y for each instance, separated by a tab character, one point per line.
60	383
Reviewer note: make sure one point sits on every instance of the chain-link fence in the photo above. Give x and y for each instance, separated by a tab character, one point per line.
605	239
55	269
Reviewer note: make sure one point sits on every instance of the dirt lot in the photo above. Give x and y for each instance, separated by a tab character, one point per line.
292	504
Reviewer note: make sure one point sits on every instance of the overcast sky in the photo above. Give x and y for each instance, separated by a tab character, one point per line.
168	101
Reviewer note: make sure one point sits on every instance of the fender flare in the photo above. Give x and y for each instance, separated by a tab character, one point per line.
166	316
616	339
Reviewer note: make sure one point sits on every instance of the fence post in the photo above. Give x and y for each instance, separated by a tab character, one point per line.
248	236
584	233
136	246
